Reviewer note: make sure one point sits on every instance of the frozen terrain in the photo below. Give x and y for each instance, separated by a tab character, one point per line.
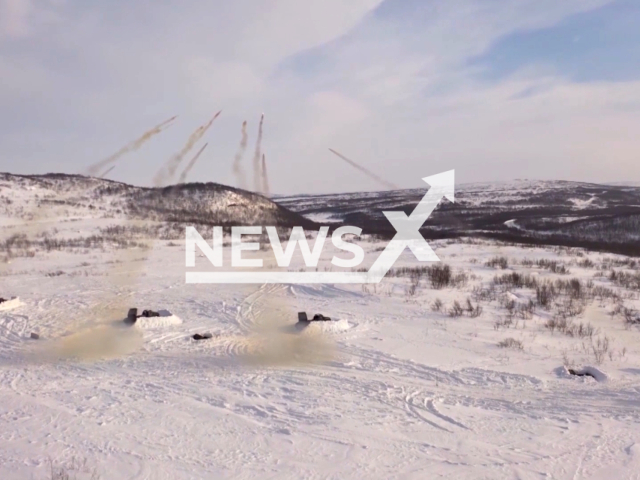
395	388
575	214
500	362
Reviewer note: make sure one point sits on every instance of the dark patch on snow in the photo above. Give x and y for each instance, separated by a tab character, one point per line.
203	336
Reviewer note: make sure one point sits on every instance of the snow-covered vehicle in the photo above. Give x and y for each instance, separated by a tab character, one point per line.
9	303
303	318
133	316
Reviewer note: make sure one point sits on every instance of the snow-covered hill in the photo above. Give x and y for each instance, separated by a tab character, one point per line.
72	197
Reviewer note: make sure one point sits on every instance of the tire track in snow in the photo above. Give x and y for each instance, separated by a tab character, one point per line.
430	406
415	412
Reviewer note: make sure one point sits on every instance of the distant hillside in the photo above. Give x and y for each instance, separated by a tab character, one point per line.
600	217
33	197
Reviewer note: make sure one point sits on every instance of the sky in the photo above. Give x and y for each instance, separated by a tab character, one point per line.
495	89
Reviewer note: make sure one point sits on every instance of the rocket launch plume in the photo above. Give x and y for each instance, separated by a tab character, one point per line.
257	182
107	171
93	170
191	164
365	171
238	169
265	178
168	170
130	147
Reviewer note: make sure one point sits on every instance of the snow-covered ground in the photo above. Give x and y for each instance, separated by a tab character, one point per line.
392	389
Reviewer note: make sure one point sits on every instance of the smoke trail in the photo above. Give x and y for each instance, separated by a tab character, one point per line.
185	172
168	170
98	340
106	172
238	170
265	177
365	171
131	147
36	212
257	183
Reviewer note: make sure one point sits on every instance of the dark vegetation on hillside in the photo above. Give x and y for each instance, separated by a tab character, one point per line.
188	204
571	214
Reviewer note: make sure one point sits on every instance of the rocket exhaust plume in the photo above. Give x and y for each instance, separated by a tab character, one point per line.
94	169
191	164
365	171
265	178
131	147
257	183
238	170
107	171
168	170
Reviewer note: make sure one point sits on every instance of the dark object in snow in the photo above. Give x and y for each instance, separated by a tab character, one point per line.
203	336
581	374
35	336
302	318
2	300
132	316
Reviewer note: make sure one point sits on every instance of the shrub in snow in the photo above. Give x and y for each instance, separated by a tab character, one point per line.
511	343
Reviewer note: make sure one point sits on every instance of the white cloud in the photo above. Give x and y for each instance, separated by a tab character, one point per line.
393	91
22	18
14	17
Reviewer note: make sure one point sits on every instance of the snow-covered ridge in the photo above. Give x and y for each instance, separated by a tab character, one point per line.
49	196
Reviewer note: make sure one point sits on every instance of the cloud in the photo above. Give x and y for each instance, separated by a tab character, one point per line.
391	84
222	82
14	17
22	18
560	130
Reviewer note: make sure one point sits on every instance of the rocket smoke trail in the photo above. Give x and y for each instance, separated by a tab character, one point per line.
107	171
130	147
365	171
265	178
238	170
185	172
94	169
168	170
257	181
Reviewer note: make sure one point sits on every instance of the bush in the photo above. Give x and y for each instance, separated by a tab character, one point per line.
498	262
545	295
516	280
631	316
623	279
440	276
75	469
456	310
600	349
473	311
437	305
553	266
487	294
511	343
570	329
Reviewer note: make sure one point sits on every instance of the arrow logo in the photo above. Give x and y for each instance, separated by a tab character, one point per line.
408	227
407	236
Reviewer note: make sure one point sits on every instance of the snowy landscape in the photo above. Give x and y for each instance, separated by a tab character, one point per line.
505	360
319	240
